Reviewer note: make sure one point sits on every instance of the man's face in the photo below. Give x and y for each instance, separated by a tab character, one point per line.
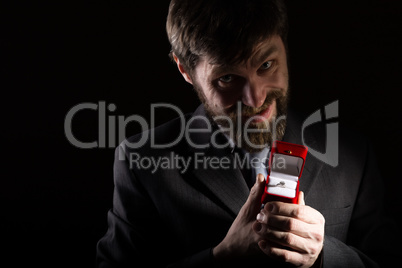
260	85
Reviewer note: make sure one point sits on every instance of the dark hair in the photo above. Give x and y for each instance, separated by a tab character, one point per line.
225	30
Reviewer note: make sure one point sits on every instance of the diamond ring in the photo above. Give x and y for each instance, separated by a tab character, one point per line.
281	184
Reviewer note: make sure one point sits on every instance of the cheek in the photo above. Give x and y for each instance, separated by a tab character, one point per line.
227	98
220	99
283	79
278	80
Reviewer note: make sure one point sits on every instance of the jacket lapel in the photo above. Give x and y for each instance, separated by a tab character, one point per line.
227	186
312	167
215	168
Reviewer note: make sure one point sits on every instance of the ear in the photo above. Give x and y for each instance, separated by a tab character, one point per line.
182	70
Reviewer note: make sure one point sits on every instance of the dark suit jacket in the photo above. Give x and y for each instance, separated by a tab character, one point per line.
172	216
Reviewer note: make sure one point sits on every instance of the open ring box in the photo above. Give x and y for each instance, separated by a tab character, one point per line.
286	162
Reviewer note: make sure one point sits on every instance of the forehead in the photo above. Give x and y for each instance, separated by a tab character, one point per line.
260	54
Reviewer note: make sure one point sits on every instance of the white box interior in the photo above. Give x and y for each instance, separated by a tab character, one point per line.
284	175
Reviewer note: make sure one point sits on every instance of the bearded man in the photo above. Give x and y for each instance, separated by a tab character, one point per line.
209	213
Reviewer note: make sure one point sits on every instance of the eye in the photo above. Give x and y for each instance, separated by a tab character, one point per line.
226	78
266	65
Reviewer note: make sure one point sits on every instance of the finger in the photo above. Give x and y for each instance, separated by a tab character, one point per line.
253	203
287	240
288	224
303	228
281	223
301	212
300	201
257	190
259	228
281	254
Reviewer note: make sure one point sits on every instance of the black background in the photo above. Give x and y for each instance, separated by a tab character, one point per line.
57	54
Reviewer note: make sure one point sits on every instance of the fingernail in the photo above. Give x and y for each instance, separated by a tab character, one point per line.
262	244
258	227
260	217
270	207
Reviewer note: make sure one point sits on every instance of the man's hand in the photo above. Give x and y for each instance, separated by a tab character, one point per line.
293	233
241	240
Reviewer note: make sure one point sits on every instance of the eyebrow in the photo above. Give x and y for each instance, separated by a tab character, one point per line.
255	61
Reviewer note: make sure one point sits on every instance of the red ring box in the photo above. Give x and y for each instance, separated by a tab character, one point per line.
286	162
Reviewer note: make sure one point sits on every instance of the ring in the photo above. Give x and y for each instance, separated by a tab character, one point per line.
281	184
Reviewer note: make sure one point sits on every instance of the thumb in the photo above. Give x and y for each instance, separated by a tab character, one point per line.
300	200
254	198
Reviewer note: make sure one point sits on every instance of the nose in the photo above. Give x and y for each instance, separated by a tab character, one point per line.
254	94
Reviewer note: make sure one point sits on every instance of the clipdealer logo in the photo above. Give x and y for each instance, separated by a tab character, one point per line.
112	128
186	128
331	154
107	126
199	160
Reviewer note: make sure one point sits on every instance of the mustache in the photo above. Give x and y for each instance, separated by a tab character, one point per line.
250	111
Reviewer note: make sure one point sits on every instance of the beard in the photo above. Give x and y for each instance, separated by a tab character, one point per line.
237	121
